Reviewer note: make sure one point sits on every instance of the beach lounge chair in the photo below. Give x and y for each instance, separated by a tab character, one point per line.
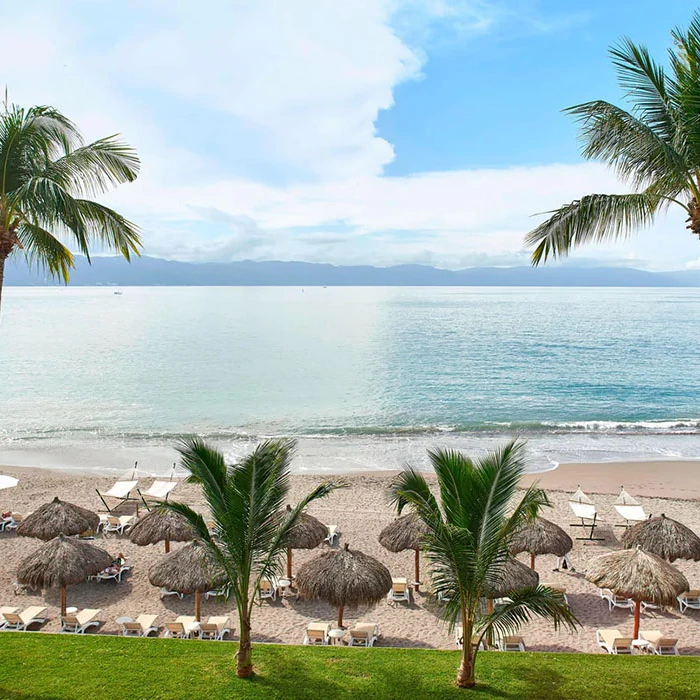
689	599
267	590
113	573
119	524
80	622
121	492
158	491
459	639
629	509
584	509
510	644
142	626
6	609
317	633
12	521
659	644
215	628
613	642
615	601
35	614
333	535
182	628
165	592
400	591
363	634
215	593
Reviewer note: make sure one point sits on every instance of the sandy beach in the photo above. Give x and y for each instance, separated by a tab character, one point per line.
362	511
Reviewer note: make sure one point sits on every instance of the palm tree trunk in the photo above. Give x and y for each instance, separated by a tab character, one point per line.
244	657
465	675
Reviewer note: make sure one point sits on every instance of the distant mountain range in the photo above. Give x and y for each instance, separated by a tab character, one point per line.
147	271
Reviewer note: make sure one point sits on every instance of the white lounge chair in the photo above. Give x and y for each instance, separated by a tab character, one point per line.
215	593
363	634
333	535
267	590
659	644
80	622
510	644
584	509
689	599
613	642
317	633
121	492
158	491
11	521
400	591
459	639
142	626
183	627
629	509
35	614
119	524
215	628
6	609
113	573
615	601
166	592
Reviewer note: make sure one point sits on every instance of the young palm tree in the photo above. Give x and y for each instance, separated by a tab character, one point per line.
251	524
469	528
654	147
46	175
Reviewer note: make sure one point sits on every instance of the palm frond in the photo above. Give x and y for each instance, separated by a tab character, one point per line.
44	251
595	217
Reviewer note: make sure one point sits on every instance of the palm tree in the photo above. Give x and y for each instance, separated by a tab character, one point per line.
470	525
46	173
250	523
654	147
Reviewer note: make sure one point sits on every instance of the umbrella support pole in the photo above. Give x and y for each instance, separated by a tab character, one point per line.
637	609
63	600
167	546
489	634
416	571
532	561
289	563
340	617
197	605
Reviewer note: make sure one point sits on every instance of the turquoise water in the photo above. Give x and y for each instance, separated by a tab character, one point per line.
583	373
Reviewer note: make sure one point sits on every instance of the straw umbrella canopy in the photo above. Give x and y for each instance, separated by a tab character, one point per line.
514	577
406	532
161	525
638	575
540	536
58	518
61	562
308	533
189	570
664	537
344	578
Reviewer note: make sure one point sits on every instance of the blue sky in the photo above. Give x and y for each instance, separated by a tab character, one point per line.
375	131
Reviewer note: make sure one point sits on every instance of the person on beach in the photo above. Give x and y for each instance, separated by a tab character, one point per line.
565	563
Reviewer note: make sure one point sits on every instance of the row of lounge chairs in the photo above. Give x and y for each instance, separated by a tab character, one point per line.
361	634
653	641
688	600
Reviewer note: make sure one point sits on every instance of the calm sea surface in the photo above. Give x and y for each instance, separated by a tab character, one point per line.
366	378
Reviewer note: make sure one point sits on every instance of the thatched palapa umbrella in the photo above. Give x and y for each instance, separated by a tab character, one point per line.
58	518
161	525
61	562
344	578
540	536
406	532
189	570
513	577
638	575
664	537
308	533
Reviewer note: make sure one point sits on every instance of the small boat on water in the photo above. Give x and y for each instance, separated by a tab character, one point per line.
118	292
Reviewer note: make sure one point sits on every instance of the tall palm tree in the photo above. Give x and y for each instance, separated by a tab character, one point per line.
250	522
47	174
654	147
470	525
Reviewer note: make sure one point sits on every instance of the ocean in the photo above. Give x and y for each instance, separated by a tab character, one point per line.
365	378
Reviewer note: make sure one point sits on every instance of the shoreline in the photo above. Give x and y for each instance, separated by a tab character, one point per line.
677	479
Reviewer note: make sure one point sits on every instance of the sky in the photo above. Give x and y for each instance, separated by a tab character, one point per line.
363	132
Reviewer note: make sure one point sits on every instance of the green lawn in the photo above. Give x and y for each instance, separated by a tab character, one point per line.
62	667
